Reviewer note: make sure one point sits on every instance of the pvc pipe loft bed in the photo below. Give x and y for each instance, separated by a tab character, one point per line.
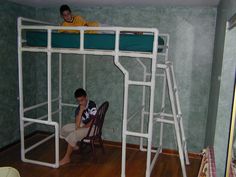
169	84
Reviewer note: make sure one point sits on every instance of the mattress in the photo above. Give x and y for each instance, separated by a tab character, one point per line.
128	42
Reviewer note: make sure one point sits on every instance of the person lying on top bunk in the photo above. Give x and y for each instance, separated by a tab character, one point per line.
70	20
75	132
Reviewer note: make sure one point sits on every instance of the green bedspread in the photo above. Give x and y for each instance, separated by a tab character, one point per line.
128	42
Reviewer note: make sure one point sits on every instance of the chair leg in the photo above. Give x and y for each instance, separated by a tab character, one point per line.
93	149
101	143
81	144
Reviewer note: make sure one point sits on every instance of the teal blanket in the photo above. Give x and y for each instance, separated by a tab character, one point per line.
128	42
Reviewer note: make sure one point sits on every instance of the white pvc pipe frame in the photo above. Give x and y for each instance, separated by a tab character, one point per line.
116	53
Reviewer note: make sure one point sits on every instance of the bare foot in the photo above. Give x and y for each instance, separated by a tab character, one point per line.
64	161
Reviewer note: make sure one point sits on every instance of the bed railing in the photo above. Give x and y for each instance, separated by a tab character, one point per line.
47	119
116	53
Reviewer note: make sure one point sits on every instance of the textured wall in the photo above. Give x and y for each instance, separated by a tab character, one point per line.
222	90
225	101
191	48
225	10
9	118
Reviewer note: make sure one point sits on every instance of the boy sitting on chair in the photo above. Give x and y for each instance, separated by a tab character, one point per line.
75	132
70	20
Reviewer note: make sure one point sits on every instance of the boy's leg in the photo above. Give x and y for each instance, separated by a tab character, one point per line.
72	140
66	158
67	129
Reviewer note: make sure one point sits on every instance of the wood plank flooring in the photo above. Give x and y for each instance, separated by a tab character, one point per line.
83	165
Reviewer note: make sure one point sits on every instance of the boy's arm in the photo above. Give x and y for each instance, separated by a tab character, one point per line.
90	123
78	120
79	117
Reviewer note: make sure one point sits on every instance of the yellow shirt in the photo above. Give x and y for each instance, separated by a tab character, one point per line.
78	21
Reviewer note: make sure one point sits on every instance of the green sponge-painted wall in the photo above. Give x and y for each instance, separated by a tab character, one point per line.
191	50
223	73
9	117
225	101
225	10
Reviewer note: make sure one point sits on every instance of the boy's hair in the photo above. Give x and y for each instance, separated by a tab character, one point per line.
80	92
63	8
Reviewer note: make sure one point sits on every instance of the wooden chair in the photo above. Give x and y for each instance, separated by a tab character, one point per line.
95	131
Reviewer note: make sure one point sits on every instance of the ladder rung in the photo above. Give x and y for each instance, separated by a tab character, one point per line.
163	120
169	63
159	114
139	83
162	66
147	113
166	115
144	135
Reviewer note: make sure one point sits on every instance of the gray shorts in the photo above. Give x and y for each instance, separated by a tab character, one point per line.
73	135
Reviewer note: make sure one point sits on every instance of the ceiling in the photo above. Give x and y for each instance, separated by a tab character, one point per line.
84	3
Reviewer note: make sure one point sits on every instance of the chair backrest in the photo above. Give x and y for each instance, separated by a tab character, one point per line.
99	119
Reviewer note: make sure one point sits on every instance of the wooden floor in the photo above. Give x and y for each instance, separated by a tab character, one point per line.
83	165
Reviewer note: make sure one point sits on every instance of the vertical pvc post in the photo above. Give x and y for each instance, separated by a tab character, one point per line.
152	94
177	130
124	136
20	77
49	75
125	106
164	93
143	103
56	146
162	110
84	72
81	39
183	138
60	91
84	57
